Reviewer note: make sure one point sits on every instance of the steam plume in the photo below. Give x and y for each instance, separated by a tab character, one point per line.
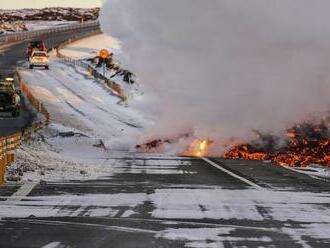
224	67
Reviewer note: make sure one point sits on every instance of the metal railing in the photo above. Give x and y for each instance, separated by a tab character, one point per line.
8	144
26	35
115	87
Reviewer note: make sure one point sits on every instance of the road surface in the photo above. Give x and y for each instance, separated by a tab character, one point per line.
10	56
160	201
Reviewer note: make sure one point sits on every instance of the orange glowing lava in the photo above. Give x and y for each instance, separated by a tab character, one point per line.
199	148
306	143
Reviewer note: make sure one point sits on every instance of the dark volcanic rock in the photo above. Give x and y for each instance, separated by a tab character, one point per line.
50	14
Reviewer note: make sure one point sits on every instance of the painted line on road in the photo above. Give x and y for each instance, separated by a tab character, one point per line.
192	223
88	225
320	178
166	222
21	193
233	174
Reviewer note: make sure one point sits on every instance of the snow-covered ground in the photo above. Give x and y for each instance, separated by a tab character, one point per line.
86	121
50	14
20	26
12	27
299	215
314	170
39	25
91	46
91	137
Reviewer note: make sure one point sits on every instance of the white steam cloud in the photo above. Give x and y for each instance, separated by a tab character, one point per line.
225	67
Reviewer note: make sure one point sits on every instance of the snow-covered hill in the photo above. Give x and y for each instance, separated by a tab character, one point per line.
86	122
32	19
49	14
11	27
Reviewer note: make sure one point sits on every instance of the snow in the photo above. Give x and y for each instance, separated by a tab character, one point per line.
201	237
57	14
54	244
11	27
92	137
316	171
224	204
39	25
87	124
22	26
237	204
91	46
78	101
71	205
307	210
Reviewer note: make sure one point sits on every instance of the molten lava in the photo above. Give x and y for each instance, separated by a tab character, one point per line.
199	148
305	144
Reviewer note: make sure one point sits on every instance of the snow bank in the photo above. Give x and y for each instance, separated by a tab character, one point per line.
38	25
12	27
86	121
49	14
91	46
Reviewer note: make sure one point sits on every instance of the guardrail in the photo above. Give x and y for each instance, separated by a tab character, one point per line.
14	37
34	101
116	88
7	147
9	144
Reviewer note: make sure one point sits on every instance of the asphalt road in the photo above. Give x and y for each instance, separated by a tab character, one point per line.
10	56
170	202
162	201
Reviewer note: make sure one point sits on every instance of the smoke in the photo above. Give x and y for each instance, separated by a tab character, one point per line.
223	68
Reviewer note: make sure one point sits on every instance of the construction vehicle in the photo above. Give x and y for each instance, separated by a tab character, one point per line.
38	45
10	100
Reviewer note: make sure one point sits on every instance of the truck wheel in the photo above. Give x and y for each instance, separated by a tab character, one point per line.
15	113
31	66
47	67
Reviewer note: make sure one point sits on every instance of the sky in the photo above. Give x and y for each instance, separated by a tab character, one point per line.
17	4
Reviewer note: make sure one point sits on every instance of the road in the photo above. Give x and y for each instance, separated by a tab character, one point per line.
150	200
10	57
161	201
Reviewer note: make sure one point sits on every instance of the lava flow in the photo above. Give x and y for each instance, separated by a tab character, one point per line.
199	148
305	144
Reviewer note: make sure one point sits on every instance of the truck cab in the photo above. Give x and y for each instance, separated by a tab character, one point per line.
35	45
10	100
39	59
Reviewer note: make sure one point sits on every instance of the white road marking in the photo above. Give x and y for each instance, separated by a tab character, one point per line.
233	174
193	223
105	227
52	245
21	193
298	171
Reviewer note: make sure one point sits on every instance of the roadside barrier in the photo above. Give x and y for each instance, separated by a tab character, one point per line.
34	101
9	143
115	88
7	147
26	35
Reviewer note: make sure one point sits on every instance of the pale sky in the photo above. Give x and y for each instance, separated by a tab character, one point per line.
17	4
